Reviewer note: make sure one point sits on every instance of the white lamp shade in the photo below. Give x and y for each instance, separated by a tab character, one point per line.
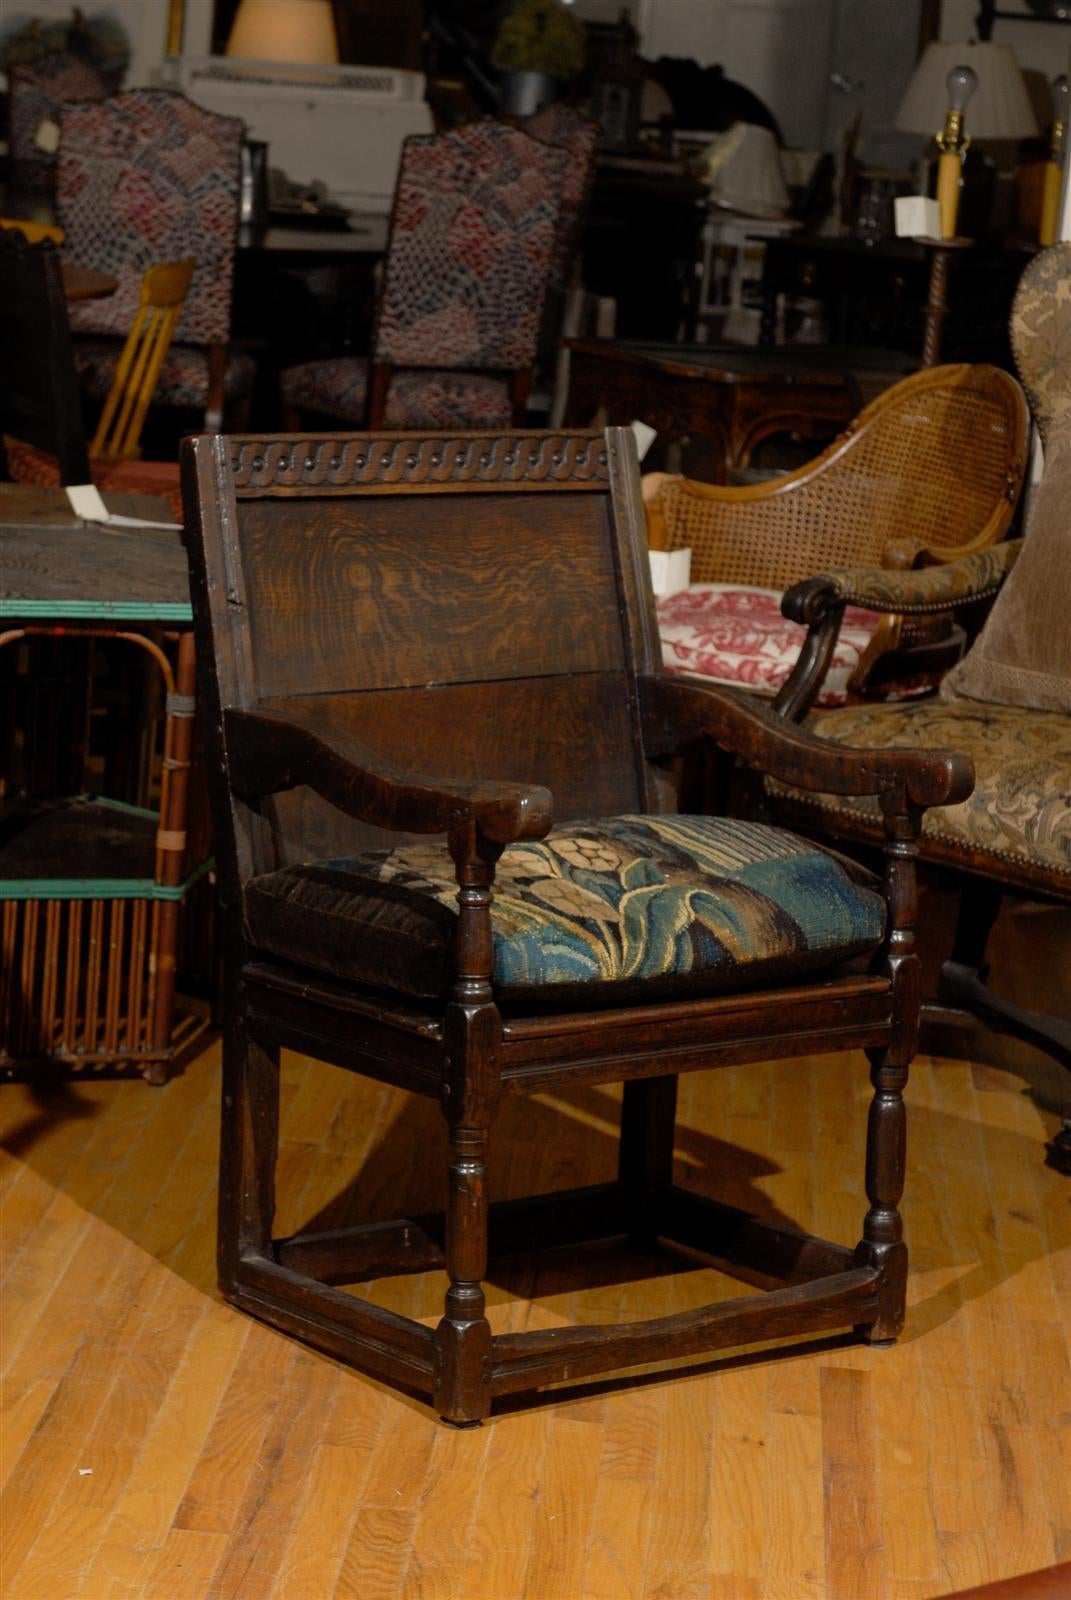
284	30
743	170
998	109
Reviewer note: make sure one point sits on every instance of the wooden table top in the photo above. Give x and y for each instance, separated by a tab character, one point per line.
754	364
86	283
54	566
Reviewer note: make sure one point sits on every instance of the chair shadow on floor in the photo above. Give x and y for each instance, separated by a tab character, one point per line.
572	1141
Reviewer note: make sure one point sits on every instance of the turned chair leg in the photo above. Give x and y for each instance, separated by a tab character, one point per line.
463	1337
645	1159
248	1151
882	1244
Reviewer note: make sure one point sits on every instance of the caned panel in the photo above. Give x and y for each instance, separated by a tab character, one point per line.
384	593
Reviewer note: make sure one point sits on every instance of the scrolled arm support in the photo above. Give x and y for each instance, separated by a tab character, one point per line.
269	752
676	713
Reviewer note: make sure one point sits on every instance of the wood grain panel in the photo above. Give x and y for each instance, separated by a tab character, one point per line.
340	592
517	730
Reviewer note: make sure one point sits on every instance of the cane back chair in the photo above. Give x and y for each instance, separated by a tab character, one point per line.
1008	704
454	636
929	471
148	177
474	231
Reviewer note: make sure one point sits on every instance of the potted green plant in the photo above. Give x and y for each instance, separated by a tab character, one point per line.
540	46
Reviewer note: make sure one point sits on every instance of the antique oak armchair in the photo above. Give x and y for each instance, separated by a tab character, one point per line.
450	640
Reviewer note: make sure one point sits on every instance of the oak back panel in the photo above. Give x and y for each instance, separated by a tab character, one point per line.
467	607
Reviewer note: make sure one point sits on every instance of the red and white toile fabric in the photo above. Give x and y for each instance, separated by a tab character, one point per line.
737	636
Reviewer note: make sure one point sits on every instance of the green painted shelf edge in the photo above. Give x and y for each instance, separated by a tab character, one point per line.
100	888
98	610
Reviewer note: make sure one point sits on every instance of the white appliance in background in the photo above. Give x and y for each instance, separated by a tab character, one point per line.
341	127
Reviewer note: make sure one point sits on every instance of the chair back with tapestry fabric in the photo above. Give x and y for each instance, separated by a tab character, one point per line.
145	178
474	231
449	860
929	471
36	96
40	406
566	128
1007	703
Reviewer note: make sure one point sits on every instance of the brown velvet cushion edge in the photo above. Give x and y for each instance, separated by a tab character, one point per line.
402	942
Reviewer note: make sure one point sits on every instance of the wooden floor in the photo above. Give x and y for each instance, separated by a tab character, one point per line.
156	1443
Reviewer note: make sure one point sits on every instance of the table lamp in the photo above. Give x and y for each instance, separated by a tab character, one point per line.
1050	196
285	30
946	77
743	170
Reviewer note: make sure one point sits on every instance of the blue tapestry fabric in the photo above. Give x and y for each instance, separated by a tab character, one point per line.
636	906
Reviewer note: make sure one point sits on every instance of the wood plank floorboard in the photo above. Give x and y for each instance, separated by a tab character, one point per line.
157	1445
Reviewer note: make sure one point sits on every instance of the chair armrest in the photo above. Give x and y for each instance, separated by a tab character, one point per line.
269	752
675	713
913	593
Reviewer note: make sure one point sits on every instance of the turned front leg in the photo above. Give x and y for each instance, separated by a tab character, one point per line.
882	1245
470	1093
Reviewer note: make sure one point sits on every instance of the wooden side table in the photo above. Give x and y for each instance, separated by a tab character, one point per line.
92	889
734	396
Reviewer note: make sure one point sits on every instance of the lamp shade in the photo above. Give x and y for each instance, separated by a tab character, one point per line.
743	170
998	109
284	30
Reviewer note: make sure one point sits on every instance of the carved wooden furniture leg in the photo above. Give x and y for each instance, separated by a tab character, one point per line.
645	1164
882	1245
248	1150
462	1355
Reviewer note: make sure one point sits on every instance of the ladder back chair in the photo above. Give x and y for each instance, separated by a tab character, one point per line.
448	862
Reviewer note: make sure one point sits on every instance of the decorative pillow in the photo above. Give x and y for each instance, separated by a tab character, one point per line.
619	906
1022	657
737	636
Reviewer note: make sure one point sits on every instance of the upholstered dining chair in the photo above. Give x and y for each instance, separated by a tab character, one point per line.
448	860
474	231
567	129
1007	703
41	425
148	177
37	93
929	471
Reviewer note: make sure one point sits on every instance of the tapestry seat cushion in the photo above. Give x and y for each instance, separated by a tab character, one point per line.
338	387
1020	810
183	379
634	907
736	635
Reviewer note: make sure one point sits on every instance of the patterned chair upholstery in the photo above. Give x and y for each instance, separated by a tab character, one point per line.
150	177
473	238
562	126
38	93
1007	704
